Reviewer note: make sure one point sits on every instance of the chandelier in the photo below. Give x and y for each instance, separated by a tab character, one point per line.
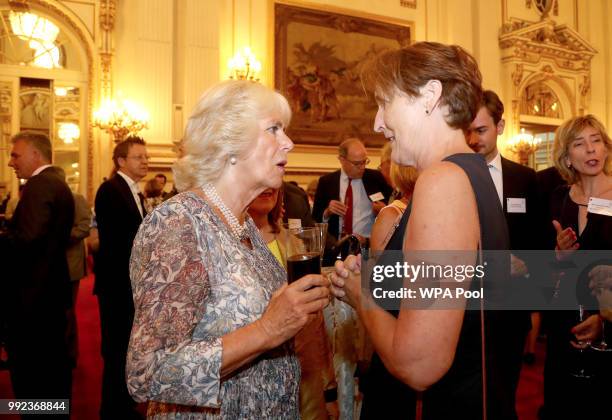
524	145
244	66
120	119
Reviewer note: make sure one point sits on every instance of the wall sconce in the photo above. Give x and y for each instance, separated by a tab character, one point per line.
120	119
524	145
244	66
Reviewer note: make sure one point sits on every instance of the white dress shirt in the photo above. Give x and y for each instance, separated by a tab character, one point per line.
135	190
40	169
363	217
495	169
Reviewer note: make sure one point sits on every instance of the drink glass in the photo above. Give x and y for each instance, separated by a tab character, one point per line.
322	229
604	297
581	369
302	251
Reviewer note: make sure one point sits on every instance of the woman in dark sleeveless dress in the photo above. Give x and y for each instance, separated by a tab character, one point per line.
428	94
582	156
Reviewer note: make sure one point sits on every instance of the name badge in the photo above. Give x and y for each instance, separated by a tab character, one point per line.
600	206
294	223
377	197
516	205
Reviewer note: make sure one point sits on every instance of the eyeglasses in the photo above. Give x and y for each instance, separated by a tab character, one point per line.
358	162
139	157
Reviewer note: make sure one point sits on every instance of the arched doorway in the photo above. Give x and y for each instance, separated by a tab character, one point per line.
46	67
543	105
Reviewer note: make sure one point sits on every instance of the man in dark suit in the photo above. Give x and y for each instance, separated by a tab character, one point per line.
37	293
295	202
366	189
517	190
119	211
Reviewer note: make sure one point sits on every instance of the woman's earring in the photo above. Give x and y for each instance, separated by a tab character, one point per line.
233	160
427	111
569	165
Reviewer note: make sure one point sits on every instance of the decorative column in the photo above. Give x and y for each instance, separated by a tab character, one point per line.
108	10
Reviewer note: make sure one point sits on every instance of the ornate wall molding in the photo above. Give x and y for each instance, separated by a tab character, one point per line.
108	12
545	52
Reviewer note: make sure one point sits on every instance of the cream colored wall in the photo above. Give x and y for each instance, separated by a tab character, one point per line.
168	51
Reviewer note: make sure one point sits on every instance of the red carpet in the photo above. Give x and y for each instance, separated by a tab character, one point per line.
88	373
86	382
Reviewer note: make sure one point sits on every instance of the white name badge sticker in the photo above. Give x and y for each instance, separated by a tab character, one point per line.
516	205
600	206
377	197
294	223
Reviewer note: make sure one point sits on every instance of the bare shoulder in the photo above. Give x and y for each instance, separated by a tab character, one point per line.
442	176
444	211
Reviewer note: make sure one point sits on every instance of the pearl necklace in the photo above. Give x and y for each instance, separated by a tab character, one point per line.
239	231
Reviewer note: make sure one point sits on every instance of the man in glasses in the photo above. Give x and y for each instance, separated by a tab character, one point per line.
119	212
350	198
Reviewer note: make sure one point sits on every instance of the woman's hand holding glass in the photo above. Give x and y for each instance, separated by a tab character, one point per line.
292	306
586	332
346	280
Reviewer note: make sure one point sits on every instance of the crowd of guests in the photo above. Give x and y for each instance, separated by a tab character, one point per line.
197	318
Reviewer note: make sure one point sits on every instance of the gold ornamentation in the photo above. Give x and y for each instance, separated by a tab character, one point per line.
517	75
408	3
108	11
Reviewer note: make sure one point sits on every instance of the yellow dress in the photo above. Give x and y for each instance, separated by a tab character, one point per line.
314	352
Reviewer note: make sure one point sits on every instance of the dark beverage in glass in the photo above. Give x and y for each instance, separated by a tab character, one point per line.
299	265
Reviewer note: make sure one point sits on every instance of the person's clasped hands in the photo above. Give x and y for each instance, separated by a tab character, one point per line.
292	307
346	280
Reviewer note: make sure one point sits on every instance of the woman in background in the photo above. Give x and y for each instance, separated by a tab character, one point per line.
582	155
402	179
311	343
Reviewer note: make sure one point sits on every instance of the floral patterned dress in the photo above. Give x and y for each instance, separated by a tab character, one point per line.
194	282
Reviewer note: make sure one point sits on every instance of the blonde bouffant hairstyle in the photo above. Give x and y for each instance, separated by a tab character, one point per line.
566	134
224	124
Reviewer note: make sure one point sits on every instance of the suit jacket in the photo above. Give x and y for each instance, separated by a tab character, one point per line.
548	181
329	189
296	204
36	243
118	220
520	182
80	230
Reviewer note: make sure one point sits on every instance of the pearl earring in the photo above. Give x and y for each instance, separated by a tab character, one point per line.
233	160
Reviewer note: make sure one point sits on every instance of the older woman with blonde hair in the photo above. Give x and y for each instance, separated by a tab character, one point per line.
214	315
428	94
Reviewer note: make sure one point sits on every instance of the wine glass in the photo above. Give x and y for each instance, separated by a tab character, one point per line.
604	297
581	370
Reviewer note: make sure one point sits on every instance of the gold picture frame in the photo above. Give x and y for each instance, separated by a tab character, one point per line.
318	58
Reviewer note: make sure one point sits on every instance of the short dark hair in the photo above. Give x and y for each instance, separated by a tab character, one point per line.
121	150
161	176
38	140
494	105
